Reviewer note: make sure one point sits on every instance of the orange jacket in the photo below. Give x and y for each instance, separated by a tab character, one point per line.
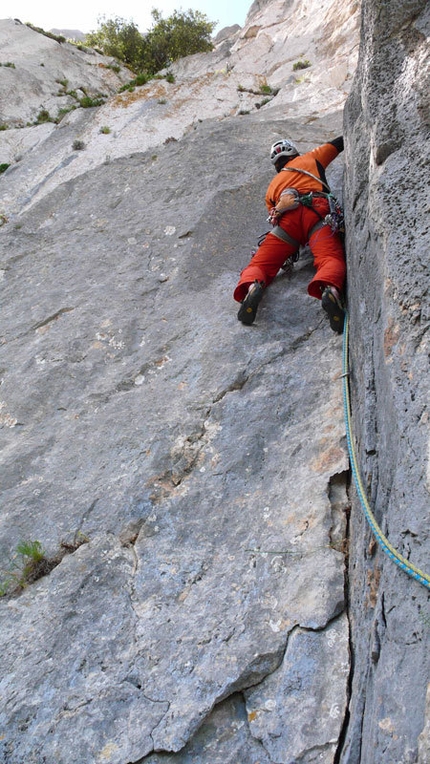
314	161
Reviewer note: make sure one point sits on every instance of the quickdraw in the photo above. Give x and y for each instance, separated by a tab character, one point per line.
335	218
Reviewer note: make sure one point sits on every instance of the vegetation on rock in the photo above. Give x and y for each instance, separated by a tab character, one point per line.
181	34
30	562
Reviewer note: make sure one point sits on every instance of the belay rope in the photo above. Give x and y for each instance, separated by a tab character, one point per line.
397	558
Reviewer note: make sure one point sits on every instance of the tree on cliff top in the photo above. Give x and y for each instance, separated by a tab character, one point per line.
181	34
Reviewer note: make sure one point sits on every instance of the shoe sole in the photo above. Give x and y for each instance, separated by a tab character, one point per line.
334	311
248	309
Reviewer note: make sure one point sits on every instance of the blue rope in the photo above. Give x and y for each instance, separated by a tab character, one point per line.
394	555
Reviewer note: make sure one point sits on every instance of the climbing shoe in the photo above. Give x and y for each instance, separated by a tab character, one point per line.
333	307
248	308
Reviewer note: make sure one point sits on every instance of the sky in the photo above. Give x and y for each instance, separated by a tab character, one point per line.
83	14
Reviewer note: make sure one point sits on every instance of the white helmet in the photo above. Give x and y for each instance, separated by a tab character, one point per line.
282	149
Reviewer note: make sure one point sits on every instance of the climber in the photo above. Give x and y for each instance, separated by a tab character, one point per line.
298	199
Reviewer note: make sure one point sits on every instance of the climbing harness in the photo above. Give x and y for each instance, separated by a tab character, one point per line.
335	218
397	558
284	236
281	234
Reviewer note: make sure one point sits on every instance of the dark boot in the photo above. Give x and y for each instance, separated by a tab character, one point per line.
248	308
333	307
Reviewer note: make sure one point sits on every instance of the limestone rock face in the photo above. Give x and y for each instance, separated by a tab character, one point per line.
250	72
388	242
203	463
45	73
187	476
207	476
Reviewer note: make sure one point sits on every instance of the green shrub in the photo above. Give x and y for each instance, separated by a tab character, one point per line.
4	126
43	116
87	102
9	64
181	34
58	38
62	112
29	563
25	567
3	167
105	130
140	80
78	145
31	549
301	65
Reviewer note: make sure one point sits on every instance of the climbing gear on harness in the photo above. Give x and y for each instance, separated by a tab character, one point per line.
289	262
282	149
333	307
290	200
335	219
248	308
383	542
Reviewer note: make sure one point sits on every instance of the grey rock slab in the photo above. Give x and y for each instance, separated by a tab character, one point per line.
68	680
387	241
298	711
191	451
230	80
46	71
223	738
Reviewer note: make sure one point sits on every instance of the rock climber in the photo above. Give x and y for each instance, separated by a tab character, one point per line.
298	199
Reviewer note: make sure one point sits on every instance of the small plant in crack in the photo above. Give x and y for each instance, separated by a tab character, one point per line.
301	65
30	562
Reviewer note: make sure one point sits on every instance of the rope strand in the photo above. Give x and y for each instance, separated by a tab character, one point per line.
397	558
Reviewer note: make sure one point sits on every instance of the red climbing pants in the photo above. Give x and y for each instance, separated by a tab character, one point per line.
326	248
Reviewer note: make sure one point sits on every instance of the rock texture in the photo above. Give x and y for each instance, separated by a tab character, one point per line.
45	72
387	133
186	451
191	473
250	72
